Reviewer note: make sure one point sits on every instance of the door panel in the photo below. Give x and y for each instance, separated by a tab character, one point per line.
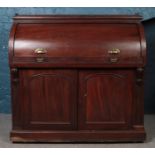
105	99
49	99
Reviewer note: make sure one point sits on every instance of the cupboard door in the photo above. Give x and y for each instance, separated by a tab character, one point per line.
49	99
106	99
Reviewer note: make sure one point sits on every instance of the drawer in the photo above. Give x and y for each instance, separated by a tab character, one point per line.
78	44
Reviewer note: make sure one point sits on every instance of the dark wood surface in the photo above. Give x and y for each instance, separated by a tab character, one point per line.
77	90
78	44
102	104
49	99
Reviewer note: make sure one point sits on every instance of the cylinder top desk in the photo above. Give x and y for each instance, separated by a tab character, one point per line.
77	78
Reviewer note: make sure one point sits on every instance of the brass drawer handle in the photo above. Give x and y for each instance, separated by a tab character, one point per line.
41	59
114	51
113	60
40	51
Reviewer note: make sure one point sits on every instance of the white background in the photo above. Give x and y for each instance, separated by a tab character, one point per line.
77	3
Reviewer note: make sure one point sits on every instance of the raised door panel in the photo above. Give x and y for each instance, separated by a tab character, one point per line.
106	99
49	100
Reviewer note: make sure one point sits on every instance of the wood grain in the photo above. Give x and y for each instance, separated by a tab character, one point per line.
77	91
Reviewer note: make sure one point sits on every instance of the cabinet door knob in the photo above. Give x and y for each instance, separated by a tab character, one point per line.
40	51
114	51
85	95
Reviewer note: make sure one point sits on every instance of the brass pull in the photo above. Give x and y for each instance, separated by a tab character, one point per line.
114	51
40	59
113	60
40	51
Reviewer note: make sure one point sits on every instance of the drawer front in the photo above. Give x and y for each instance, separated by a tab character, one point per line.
78	43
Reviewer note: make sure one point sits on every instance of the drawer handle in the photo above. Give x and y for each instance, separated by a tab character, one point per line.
113	60
40	60
40	51
114	51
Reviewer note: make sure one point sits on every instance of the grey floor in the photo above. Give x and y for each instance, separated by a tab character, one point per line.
5	127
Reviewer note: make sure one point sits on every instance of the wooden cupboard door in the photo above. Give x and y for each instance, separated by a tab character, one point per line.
106	99
49	99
